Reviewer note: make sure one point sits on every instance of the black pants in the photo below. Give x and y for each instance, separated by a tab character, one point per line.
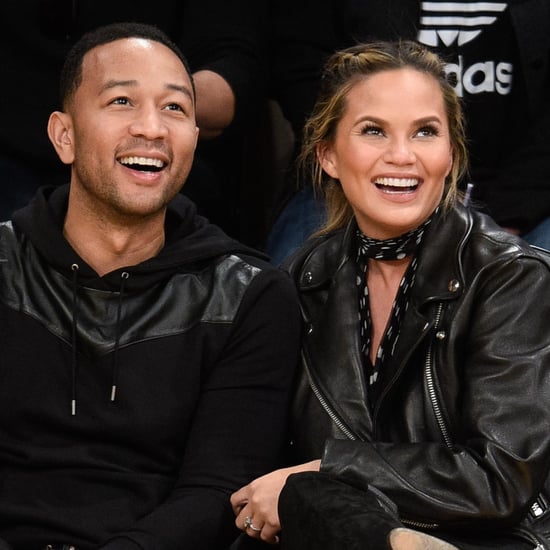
321	513
318	512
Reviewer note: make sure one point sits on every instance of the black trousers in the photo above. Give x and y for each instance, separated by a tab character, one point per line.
321	513
318	512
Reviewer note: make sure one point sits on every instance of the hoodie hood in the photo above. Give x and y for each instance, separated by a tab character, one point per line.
190	242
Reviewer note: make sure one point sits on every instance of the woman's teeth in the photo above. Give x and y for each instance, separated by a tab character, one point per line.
397	185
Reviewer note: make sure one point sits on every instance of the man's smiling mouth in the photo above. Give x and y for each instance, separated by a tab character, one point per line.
143	164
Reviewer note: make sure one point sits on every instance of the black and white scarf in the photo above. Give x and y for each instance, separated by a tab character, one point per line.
388	249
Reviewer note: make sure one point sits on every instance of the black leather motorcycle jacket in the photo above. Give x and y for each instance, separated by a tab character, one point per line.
459	435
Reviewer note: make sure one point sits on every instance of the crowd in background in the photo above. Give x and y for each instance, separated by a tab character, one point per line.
267	57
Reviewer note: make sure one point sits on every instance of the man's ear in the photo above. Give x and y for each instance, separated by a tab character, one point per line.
60	132
325	155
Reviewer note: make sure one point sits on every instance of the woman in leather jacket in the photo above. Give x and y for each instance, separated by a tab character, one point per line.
422	410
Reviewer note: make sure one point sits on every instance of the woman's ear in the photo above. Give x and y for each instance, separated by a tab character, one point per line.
325	155
451	159
61	135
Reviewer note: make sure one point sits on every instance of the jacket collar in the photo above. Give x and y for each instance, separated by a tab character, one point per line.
439	274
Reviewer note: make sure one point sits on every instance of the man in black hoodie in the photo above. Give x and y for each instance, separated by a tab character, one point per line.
146	358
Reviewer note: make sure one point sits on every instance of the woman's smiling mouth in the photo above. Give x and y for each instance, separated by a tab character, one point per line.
397	185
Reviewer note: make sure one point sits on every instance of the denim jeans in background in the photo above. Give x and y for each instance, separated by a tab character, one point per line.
302	216
540	235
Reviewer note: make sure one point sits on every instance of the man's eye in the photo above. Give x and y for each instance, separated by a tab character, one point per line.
120	101
175	107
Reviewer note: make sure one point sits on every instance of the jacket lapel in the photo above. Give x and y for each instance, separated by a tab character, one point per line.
331	346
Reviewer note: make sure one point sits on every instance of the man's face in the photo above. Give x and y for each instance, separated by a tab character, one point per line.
131	124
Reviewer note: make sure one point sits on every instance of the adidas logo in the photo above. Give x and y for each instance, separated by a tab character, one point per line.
482	77
460	22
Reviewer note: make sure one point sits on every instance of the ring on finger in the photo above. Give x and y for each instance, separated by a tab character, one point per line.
248	523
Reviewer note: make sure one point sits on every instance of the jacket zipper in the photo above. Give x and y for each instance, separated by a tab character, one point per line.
431	386
531	537
538	509
333	416
437	412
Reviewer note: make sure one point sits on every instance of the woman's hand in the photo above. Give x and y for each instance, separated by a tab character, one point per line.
255	504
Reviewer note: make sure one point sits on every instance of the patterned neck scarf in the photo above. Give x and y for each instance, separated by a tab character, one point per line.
389	249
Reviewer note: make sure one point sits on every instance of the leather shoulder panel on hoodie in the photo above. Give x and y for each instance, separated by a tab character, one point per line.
28	285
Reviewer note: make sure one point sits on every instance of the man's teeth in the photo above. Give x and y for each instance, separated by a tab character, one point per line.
397	182
142	161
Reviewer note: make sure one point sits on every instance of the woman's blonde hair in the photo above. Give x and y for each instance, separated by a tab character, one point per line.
342	71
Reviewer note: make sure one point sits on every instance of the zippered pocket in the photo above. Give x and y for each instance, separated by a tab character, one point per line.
528	535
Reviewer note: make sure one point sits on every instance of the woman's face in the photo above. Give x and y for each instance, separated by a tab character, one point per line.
391	151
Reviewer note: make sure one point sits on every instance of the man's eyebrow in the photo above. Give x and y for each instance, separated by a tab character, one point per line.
115	83
183	89
129	83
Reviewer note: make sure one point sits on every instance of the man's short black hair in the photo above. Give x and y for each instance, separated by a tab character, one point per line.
71	73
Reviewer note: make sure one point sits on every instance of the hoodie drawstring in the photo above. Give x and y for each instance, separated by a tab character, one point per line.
74	365
74	362
123	276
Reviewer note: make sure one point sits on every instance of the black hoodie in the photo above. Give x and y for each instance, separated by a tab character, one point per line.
133	404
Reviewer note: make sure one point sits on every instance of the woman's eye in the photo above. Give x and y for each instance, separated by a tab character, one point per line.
427	131
371	131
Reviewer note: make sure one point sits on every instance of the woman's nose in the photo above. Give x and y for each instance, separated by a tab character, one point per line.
399	152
